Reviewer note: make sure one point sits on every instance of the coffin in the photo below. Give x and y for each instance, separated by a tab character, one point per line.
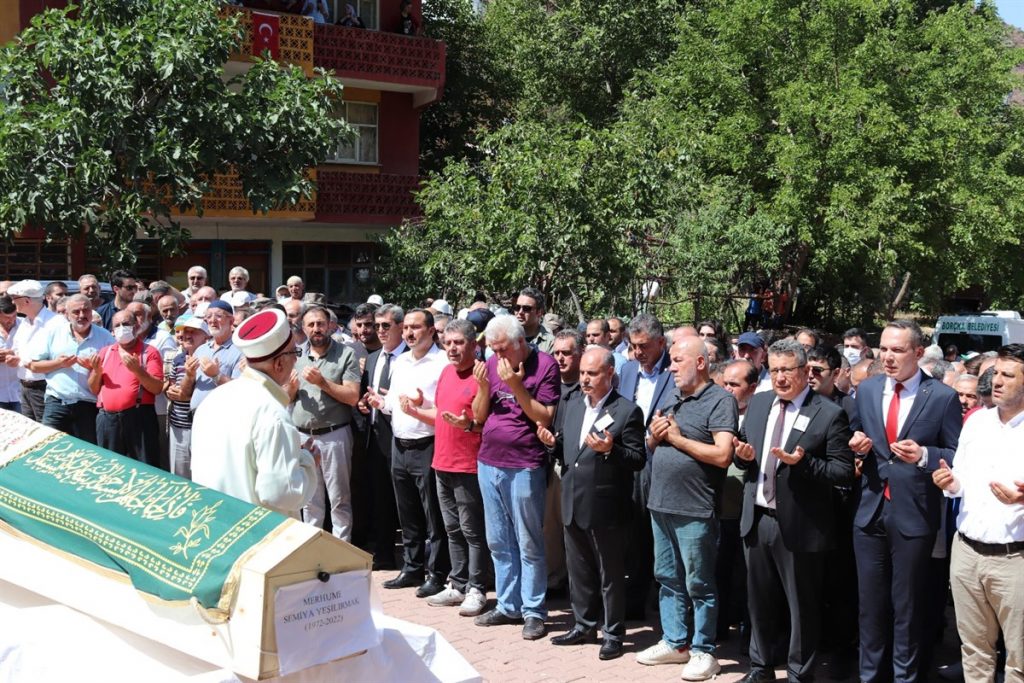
178	563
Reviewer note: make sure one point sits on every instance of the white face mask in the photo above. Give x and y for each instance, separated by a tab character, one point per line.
852	355
123	334
283	300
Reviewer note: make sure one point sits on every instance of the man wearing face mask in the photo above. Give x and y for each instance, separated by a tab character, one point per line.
126	377
855	345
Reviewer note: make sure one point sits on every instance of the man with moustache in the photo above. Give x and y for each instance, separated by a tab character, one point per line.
911	422
325	389
599	446
196	280
529	311
645	380
364	333
619	340
65	358
691	438
411	395
793	445
220	361
126	377
90	287
457	441
377	377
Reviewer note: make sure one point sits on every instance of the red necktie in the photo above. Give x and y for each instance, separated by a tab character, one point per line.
892	426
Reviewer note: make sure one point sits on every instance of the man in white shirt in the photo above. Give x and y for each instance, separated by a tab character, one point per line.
10	387
414	378
244	443
27	296
987	572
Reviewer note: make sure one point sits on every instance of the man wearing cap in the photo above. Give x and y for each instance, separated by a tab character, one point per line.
238	278
325	389
124	285
244	442
10	387
750	345
27	296
126	376
218	358
64	356
296	287
414	378
191	333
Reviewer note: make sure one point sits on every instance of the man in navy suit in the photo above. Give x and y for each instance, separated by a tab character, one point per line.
646	381
911	422
794	448
600	445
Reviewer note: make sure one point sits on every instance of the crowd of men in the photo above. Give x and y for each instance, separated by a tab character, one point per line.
808	497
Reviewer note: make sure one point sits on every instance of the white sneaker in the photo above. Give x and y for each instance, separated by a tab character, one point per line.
449	597
473	604
663	653
701	667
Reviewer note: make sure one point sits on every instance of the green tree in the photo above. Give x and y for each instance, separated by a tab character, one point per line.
116	112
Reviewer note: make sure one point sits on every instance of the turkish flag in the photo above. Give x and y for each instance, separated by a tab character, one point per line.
266	34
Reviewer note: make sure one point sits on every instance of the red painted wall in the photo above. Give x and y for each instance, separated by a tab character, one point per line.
390	10
399	134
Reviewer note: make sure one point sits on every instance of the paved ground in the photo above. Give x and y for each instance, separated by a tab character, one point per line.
500	654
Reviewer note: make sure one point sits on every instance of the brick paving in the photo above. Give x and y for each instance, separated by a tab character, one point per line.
500	654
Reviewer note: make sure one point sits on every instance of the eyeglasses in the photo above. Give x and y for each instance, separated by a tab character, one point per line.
384	327
196	277
294	352
522	308
784	371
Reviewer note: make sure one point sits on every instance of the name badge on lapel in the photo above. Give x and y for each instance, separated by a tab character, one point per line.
801	423
603	422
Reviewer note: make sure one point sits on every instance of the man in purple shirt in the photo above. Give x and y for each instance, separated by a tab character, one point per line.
519	387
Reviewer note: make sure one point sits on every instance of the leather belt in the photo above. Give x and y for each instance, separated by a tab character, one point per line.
322	430
33	383
765	511
992	548
422	442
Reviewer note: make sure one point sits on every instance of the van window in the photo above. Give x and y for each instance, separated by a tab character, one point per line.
972	342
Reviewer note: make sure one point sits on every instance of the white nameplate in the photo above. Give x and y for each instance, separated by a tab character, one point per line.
801	423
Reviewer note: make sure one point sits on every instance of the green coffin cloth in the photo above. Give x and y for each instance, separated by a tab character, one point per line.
173	539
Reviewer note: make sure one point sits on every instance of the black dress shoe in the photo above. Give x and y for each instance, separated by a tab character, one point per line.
610	649
534	628
496	618
573	637
756	676
404	580
431	587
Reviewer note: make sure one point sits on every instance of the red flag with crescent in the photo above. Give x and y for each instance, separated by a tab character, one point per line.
266	34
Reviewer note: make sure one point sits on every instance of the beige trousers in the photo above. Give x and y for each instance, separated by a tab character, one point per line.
988	593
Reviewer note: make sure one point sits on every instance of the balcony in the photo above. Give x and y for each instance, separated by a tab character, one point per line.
382	61
383	198
227	200
294	39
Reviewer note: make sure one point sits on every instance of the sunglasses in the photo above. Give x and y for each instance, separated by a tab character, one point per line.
818	371
522	308
382	326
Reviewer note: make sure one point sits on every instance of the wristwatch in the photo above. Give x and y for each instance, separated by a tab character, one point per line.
471	426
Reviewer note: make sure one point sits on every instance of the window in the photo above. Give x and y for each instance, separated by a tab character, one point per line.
366	9
341	271
363	147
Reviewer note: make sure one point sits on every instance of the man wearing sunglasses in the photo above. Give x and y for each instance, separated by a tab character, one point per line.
529	311
124	285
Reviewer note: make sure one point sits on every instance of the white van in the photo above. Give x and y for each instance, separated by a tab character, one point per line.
985	331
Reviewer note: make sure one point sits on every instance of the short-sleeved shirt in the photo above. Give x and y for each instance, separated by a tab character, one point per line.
455	450
510	436
179	413
681	484
70	385
314	408
120	388
10	389
229	357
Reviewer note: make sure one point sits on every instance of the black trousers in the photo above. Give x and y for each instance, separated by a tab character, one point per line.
462	508
424	541
77	419
731	576
384	520
639	547
894	574
778	581
33	401
597	578
133	432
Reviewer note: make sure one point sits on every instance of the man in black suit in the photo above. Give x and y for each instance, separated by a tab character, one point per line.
377	376
794	447
600	446
910	422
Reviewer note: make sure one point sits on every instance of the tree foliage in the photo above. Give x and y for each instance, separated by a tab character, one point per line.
119	111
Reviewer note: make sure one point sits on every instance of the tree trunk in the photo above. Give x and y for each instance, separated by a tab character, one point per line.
900	295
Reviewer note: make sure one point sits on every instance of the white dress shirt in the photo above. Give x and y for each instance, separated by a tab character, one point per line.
645	386
378	370
10	388
989	451
792	411
590	415
27	334
407	375
907	396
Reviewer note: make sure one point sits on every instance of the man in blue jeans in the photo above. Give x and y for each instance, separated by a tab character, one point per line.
691	447
519	387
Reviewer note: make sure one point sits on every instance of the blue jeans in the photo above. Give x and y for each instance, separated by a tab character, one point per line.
514	519
684	565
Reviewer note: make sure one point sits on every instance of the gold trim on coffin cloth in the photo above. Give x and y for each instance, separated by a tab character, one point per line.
218	615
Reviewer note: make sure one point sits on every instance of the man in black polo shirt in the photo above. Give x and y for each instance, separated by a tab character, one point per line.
691	440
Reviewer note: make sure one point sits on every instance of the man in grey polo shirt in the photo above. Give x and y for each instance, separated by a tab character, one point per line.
324	389
691	439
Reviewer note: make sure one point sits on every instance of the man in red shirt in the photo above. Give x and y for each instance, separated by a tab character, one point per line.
456	442
126	376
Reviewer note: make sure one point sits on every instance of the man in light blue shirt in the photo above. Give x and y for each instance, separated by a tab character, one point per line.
219	359
65	355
